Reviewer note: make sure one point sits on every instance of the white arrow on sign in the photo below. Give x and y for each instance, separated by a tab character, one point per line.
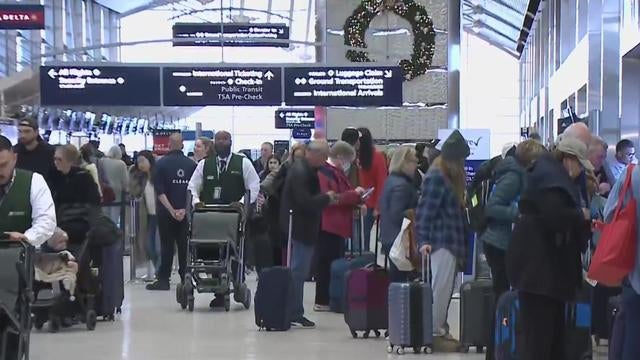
269	75
388	74
281	115
52	73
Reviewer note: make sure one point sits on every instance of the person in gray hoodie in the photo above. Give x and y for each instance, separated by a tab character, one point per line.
501	212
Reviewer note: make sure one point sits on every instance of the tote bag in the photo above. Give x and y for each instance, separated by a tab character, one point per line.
615	255
400	252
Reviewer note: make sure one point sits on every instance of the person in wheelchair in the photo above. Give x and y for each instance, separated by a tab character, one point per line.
224	179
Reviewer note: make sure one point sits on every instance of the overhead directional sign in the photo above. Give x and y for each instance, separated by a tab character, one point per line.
233	86
21	17
208	34
100	85
301	133
290	118
343	86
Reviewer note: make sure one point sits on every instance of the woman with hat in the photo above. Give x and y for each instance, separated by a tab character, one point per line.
544	254
441	231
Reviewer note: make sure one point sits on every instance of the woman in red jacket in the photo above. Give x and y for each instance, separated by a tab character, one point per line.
336	219
373	173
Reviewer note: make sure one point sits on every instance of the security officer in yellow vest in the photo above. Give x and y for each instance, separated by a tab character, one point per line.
224	179
27	212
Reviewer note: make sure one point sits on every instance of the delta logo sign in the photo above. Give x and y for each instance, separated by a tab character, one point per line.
21	17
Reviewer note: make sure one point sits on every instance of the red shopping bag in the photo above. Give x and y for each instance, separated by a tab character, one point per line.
615	255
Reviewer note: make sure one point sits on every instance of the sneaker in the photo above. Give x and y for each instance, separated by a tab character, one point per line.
321	308
445	345
303	323
159	285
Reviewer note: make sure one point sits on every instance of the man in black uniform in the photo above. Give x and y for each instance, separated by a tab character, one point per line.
172	174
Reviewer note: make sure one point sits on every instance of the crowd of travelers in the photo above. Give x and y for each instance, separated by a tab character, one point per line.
538	214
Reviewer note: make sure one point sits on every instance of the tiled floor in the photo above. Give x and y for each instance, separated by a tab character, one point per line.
153	327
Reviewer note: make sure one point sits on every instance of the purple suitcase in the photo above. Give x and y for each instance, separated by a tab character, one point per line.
366	303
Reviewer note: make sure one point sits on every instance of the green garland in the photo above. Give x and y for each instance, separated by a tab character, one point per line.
424	41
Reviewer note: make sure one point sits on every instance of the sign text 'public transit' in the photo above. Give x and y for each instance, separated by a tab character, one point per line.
21	17
295	118
231	86
100	85
251	35
343	86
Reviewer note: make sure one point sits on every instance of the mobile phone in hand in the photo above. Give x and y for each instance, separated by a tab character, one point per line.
368	192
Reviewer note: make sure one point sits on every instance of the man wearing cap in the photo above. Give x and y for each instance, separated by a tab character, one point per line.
544	257
34	154
26	206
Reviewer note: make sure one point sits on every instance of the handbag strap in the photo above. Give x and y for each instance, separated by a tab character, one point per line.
626	188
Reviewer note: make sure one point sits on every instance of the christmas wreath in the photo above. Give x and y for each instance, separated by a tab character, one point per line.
424	35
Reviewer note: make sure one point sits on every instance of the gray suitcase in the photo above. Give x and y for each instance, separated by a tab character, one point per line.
411	315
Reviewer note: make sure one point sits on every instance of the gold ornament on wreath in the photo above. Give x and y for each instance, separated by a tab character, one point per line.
424	34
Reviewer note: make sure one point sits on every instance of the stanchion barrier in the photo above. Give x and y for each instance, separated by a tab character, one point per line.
134	205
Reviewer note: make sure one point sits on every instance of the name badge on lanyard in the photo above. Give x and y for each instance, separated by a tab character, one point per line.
217	192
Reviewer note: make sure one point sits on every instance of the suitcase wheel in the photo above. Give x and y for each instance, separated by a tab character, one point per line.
465	349
417	349
479	349
354	334
377	333
428	350
390	349
119	311
91	320
366	334
400	350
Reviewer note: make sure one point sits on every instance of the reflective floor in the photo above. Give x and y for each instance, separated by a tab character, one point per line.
153	327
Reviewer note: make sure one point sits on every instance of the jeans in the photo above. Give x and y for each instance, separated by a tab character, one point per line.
329	248
631	305
497	263
301	256
172	233
152	243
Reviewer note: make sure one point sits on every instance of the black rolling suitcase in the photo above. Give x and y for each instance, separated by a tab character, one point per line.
111	276
476	313
272	302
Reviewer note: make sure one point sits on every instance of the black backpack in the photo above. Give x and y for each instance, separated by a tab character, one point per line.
478	193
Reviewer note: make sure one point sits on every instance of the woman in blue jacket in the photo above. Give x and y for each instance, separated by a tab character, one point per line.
398	195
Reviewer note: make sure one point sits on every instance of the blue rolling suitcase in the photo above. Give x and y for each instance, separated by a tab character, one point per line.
272	302
339	269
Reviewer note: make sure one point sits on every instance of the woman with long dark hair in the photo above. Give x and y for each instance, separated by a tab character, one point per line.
141	188
372	174
440	229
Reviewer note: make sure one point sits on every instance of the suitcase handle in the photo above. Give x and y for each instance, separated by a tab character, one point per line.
289	238
426	267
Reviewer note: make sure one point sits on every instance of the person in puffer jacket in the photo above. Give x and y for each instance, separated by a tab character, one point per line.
337	219
501	212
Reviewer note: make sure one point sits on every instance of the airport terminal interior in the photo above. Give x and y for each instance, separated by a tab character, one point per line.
319	179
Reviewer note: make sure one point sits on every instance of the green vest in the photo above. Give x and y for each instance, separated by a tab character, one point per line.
230	182
15	207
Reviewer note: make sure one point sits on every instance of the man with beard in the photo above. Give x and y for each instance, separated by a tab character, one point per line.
34	154
223	179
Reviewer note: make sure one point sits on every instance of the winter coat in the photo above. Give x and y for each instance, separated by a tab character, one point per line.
398	195
338	218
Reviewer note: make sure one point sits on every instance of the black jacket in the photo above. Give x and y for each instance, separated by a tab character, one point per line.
75	196
38	160
543	256
302	194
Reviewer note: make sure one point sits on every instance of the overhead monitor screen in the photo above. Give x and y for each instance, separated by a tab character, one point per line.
208	34
100	85
343	86
232	86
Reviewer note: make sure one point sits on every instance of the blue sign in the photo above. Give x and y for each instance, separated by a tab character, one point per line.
230	86
295	119
301	133
190	135
343	86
